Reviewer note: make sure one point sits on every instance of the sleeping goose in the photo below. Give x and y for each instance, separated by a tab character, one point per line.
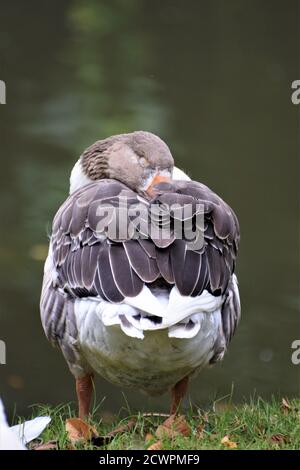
144	308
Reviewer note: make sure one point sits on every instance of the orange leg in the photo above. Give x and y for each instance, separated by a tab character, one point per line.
178	392
84	389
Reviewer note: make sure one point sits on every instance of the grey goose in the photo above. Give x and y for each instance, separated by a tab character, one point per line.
147	311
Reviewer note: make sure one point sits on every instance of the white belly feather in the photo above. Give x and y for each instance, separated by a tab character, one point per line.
123	344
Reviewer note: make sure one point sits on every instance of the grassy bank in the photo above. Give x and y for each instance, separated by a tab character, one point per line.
255	425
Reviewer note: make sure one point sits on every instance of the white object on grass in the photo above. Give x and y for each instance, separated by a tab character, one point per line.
15	437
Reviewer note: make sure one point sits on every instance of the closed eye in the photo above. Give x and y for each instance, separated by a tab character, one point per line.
143	162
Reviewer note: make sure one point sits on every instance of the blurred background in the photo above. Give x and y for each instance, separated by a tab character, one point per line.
213	79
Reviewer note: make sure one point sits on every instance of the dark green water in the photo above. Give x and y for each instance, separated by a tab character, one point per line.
211	78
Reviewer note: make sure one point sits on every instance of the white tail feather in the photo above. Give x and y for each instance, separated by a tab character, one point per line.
145	301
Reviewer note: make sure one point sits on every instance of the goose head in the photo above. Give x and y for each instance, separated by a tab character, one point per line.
140	160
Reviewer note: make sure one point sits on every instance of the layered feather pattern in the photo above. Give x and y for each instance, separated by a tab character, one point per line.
92	261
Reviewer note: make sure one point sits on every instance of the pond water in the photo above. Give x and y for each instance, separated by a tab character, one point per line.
213	79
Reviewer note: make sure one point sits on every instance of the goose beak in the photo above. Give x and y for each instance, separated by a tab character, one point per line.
156	180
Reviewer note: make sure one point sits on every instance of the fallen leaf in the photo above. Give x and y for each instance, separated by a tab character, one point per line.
46	446
200	431
156	446
124	427
149	437
78	430
278	439
228	443
173	426
285	405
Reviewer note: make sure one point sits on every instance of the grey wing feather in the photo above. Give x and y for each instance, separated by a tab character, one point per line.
231	310
211	266
231	314
58	320
86	261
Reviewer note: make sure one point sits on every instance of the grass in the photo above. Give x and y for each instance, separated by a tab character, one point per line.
256	425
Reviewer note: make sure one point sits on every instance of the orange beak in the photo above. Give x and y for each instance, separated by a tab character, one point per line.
156	180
